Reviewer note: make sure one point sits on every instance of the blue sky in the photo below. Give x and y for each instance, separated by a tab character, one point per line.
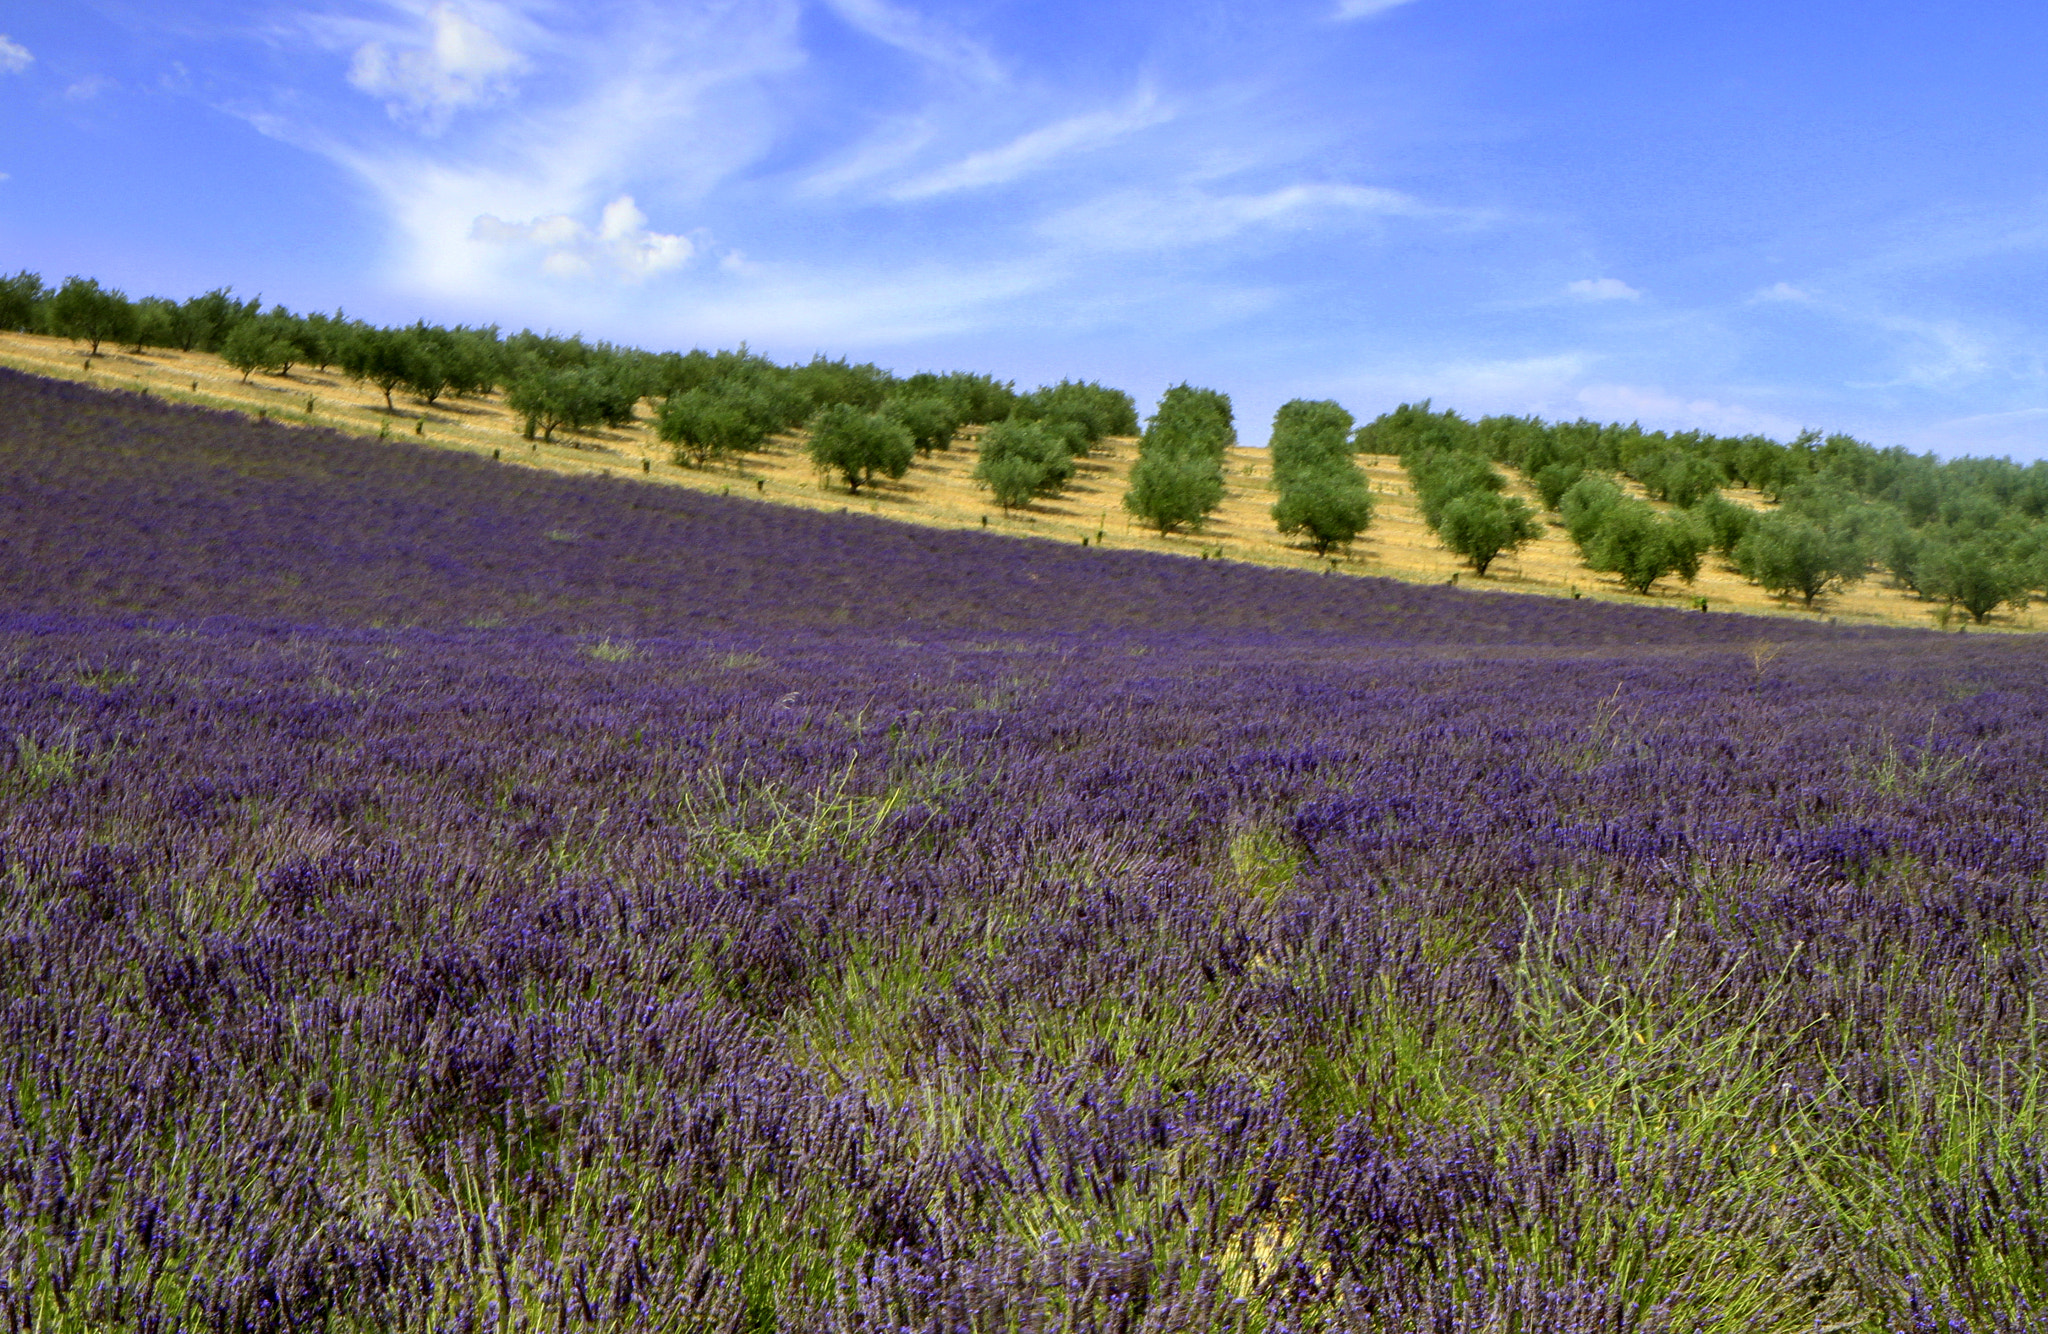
1735	216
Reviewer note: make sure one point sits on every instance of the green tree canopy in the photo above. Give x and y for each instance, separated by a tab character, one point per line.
1976	573
1178	478
85	311
257	345
1324	497
1093	410
1413	428
713	422
573	398
928	417
1327	507
1309	437
1482	526
1641	546
20	298
378	356
859	445
1173	491
1726	522
976	400
1021	459
1787	554
1585	504
1191	422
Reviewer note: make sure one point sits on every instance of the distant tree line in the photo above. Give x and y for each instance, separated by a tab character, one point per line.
709	407
1971	534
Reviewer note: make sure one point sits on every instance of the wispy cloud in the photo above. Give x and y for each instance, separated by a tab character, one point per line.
14	57
813	307
1039	148
890	149
1783	292
591	196
1660	410
642	113
1364	9
457	61
1474	386
1940	352
1185	216
1602	289
1561	386
912	32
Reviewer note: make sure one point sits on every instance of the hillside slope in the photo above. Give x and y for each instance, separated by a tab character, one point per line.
938	491
112	502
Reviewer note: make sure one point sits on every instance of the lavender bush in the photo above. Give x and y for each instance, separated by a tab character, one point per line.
441	897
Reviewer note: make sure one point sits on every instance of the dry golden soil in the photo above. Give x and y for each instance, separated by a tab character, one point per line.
938	490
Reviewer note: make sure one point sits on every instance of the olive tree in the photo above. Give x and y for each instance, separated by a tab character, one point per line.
1020	460
89	313
929	418
1787	554
1482	526
1327	508
1324	497
713	423
255	345
1641	546
858	445
1178	478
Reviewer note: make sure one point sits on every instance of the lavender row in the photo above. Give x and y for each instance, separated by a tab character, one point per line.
476	979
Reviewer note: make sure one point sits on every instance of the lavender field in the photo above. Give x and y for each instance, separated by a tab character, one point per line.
447	897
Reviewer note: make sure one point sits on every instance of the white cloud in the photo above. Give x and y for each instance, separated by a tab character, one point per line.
1602	289
912	32
14	57
1364	9
1137	220
620	244
461	63
657	103
1029	152
1782	292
